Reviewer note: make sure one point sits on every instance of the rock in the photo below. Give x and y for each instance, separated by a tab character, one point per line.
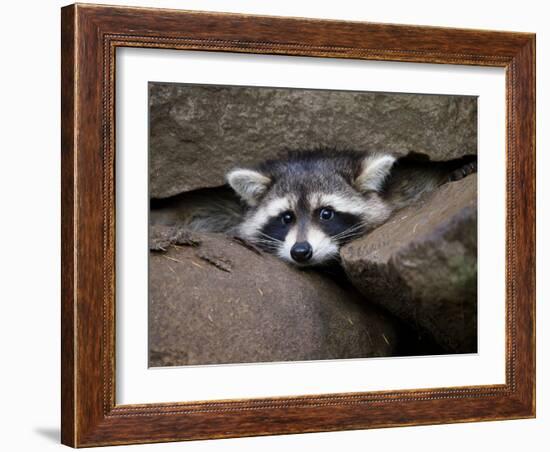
422	265
197	133
217	301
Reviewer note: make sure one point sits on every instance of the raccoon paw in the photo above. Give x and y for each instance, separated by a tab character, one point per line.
463	171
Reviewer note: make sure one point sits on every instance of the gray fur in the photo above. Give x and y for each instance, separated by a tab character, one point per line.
371	186
207	210
373	193
305	174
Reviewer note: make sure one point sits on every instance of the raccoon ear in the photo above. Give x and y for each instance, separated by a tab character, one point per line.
373	171
248	184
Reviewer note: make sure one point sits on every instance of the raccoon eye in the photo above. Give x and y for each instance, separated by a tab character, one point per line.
326	214
287	218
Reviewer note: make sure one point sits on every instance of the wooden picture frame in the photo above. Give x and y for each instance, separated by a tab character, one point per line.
90	36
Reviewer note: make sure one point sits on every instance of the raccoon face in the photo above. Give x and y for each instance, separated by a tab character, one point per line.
304	208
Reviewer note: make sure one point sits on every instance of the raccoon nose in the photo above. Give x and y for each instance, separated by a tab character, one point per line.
301	252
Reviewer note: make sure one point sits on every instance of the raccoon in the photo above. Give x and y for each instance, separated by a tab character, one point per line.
217	210
304	207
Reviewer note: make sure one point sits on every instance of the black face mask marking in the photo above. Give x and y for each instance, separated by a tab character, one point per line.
277	227
361	189
344	226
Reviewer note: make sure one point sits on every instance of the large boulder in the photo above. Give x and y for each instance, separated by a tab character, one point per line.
422	265
216	300
197	133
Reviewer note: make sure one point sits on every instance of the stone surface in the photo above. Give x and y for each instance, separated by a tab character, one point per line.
214	300
422	265
197	133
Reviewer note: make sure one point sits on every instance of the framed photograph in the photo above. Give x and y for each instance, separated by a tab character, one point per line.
281	225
